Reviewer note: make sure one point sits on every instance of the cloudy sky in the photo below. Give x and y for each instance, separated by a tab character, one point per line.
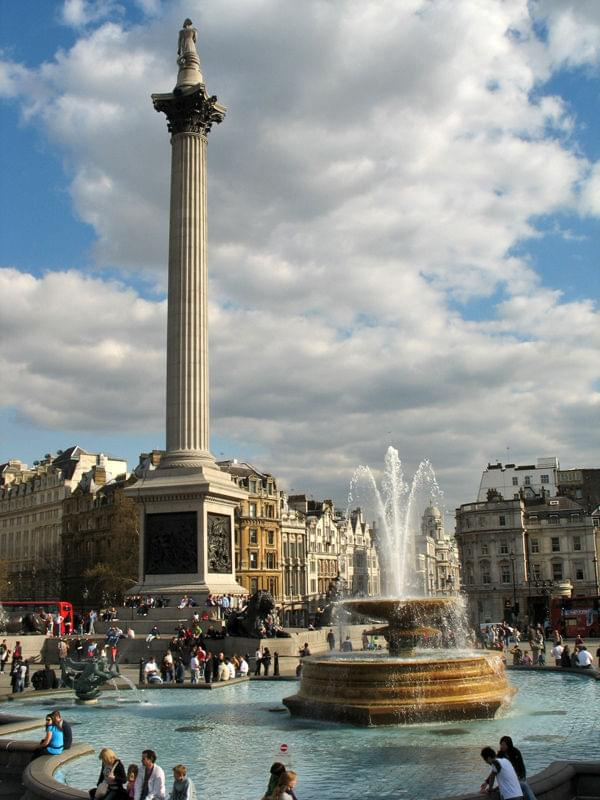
404	208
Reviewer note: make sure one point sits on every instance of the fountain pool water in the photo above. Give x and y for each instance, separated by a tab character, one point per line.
228	739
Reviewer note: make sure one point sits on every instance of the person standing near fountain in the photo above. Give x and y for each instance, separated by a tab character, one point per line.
504	773
508	750
331	639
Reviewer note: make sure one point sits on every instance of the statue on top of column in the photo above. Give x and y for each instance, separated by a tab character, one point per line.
186	46
187	56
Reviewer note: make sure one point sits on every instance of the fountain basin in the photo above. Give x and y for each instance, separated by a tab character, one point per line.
392	691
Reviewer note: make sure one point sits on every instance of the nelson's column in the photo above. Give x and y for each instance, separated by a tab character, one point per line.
187	505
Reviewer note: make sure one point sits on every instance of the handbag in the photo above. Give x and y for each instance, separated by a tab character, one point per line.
101	790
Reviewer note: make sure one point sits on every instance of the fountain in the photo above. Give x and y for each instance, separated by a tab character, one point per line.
405	685
86	678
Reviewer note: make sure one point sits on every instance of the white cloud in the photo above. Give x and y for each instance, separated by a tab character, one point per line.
378	163
79	13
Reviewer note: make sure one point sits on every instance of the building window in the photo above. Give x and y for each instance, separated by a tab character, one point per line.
579	574
536	572
484	549
313	586
485	572
253	560
504	548
555	544
502	519
270	538
252	486
252	510
575	518
505	573
577	543
253	535
557	571
535	545
253	585
515	481
270	560
527	480
553	519
545	478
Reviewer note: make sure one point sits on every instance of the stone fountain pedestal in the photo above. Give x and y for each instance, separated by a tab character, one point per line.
401	688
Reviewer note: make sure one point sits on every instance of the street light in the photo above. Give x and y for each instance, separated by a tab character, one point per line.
595	563
515	608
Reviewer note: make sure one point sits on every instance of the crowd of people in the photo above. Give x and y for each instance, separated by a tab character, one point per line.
500	637
200	665
146	781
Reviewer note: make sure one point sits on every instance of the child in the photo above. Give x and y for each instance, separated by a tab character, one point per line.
132	772
183	788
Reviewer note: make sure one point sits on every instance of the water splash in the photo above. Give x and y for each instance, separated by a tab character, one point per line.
398	509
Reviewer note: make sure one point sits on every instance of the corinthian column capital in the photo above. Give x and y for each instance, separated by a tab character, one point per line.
189	110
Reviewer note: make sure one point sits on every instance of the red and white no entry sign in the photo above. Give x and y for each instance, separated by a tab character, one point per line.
283	748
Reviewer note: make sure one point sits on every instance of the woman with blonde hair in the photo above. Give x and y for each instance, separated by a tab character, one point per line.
285	787
112	778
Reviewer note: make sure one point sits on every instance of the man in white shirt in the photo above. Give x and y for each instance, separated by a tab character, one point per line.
151	672
150	781
556	653
230	668
584	658
194	669
503	772
243	668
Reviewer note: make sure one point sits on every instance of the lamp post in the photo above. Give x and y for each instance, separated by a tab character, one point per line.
515	609
595	563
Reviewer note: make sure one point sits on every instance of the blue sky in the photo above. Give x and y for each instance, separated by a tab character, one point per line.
366	171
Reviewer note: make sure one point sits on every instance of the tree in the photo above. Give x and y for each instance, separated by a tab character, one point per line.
115	569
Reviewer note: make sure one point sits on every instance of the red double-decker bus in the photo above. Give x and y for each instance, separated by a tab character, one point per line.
576	616
24	616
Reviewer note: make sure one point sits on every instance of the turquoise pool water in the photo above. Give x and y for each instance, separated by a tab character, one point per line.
228	738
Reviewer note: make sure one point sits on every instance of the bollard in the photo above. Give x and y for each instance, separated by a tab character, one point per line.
141	675
275	663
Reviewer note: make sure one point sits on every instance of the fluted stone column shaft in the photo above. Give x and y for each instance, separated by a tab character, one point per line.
187	414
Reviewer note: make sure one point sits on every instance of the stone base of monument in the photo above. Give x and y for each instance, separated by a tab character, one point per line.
187	528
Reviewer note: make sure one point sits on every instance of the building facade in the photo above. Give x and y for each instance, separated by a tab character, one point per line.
517	555
258	560
99	540
510	480
294	610
31	508
437	556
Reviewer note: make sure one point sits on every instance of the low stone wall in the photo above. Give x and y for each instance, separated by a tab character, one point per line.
38	776
561	780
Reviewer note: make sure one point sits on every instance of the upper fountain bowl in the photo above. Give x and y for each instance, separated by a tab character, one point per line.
406	613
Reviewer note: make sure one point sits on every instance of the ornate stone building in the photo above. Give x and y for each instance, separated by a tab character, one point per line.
294	605
99	540
518	554
437	556
257	530
358	561
31	507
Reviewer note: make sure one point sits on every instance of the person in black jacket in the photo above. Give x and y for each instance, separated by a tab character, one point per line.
65	728
513	754
112	775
